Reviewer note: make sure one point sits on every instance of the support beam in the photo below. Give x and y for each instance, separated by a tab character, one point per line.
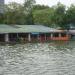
38	37
7	37
51	35
59	34
29	37
45	37
17	35
67	34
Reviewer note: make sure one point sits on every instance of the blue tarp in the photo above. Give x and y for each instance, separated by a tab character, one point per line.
34	33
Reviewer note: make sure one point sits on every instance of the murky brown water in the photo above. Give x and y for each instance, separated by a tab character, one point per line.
55	58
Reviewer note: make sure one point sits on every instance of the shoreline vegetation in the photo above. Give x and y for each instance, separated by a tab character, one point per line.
30	13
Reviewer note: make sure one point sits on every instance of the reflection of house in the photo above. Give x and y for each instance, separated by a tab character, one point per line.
1	6
30	33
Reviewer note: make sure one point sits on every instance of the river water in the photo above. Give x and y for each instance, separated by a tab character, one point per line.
54	58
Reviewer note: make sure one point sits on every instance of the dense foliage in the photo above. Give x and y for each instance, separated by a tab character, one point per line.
31	13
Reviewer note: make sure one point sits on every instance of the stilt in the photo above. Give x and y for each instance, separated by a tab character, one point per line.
59	34
17	35
29	37
51	35
45	37
67	34
6	37
38	37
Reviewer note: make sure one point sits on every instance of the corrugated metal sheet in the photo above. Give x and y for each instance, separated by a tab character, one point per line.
25	29
72	32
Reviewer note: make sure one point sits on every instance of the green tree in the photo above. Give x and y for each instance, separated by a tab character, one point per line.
70	15
14	14
43	17
1	18
40	7
1	13
59	15
28	9
31	13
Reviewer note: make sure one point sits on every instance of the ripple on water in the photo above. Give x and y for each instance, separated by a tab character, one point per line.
37	59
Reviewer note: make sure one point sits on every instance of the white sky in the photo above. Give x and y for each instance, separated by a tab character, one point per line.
47	2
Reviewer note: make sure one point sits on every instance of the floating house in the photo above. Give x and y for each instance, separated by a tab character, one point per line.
13	33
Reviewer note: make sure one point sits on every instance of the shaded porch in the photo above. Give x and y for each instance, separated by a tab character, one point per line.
31	37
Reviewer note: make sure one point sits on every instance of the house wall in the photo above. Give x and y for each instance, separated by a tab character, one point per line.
60	38
54	36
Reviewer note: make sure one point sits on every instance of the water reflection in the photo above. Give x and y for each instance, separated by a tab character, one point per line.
55	58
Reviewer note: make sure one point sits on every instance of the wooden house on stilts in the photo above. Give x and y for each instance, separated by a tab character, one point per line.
29	33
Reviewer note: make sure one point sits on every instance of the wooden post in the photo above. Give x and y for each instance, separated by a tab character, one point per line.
51	35
59	34
38	37
29	37
67	34
45	37
7	37
17	35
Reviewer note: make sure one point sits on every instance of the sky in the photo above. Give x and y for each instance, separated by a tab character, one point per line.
47	2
